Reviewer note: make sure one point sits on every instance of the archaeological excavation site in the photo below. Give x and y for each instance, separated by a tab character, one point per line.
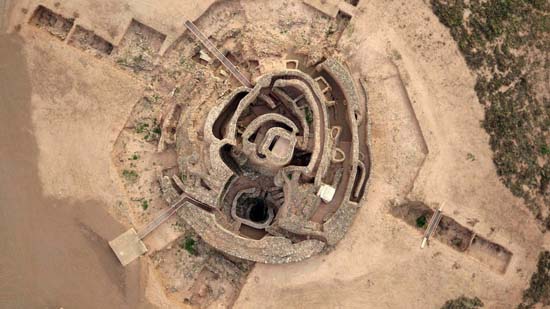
279	169
271	154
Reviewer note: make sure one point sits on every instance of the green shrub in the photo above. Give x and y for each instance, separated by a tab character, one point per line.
151	129
130	175
141	127
421	221
506	42
463	303
539	287
189	245
309	115
450	14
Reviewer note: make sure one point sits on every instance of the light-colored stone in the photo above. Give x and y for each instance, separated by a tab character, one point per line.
326	193
128	247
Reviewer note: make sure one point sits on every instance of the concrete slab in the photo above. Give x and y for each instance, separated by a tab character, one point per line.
128	247
326	193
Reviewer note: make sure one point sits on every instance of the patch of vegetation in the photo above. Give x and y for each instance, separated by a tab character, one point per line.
188	244
134	157
144	204
150	128
470	157
507	44
309	115
131	176
539	288
463	302
156	130
421	221
141	127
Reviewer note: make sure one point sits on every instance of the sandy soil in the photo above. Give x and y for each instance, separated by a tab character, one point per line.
3	10
110	19
78	111
65	110
379	263
49	245
75	109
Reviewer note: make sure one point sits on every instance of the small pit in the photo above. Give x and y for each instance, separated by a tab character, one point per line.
53	23
453	234
89	41
258	210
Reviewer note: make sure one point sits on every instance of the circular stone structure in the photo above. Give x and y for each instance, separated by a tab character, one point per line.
280	168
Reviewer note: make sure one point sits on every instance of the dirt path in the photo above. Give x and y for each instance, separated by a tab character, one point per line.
54	252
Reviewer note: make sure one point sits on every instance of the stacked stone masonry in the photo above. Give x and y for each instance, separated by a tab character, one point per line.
266	152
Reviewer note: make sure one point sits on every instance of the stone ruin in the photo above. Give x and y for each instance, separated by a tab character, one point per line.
281	167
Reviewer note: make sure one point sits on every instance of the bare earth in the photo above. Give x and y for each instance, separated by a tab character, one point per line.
61	197
412	66
54	249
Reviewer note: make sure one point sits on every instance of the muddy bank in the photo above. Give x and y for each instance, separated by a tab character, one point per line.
54	252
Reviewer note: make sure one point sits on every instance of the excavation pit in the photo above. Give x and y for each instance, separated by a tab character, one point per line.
455	235
53	23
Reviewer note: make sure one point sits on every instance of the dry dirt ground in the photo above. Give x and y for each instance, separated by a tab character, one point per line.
54	250
426	144
413	69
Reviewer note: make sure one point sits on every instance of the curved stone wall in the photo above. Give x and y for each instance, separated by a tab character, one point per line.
286	163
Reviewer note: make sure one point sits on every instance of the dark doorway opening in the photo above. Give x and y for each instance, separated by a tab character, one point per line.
258	210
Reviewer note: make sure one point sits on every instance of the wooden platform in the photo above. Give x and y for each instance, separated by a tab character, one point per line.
128	246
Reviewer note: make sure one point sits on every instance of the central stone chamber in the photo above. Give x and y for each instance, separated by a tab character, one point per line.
252	201
257	209
282	166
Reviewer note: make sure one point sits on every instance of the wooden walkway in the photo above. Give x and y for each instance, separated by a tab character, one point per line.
432	226
167	213
212	48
